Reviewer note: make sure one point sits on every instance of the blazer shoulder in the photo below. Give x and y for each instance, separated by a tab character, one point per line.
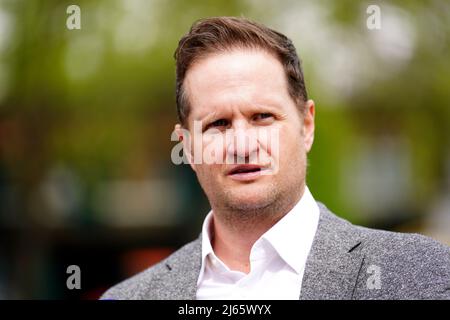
138	286
409	245
410	265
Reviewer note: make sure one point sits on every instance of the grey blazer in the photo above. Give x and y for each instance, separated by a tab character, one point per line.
345	262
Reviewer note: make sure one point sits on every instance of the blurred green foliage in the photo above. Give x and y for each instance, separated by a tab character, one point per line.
100	100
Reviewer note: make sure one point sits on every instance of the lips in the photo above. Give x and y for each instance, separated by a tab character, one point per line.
246	172
245	168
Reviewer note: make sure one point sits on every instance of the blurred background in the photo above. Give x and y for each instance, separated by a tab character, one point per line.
86	117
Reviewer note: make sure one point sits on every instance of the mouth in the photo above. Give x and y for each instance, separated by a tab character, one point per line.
246	172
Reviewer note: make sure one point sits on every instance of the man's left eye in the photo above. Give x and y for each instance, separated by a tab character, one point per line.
261	116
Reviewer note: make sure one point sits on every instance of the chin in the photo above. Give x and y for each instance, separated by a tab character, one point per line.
251	199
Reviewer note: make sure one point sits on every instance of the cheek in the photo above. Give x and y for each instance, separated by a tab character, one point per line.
294	136
291	148
207	149
208	173
214	149
269	140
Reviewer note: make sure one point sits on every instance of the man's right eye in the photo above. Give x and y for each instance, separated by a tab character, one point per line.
218	123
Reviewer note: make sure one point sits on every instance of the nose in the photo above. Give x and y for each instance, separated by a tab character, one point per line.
242	141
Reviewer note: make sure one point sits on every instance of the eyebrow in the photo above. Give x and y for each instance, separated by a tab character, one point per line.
254	108
207	118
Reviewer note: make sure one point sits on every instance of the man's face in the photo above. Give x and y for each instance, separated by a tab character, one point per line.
247	115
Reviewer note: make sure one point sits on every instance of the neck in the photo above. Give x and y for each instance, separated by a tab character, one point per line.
235	232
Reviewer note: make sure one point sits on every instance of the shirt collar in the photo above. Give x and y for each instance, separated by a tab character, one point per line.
206	238
291	237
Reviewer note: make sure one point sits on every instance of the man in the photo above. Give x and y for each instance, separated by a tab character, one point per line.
266	237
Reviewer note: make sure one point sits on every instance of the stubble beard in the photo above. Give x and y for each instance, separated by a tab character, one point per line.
240	215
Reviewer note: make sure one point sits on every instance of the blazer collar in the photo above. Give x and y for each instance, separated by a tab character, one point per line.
179	281
335	259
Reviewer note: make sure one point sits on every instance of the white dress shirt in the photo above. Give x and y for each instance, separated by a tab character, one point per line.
277	259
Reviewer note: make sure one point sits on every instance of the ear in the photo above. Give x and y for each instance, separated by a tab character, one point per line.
308	125
185	136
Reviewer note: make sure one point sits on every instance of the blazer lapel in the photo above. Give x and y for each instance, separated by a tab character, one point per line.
335	260
178	279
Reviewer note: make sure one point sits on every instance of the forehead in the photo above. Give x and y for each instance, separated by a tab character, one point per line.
249	77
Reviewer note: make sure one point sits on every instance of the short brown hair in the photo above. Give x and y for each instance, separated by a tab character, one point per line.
219	34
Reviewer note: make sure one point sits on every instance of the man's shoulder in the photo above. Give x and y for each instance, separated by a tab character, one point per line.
383	243
409	265
383	264
153	281
407	247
